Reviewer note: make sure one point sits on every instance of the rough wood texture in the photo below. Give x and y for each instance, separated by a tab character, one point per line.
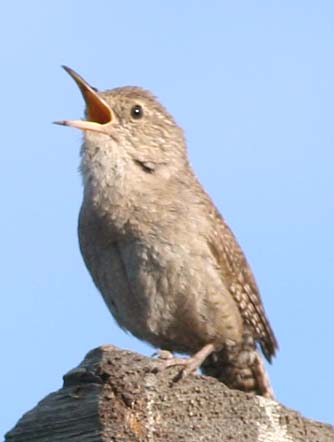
116	395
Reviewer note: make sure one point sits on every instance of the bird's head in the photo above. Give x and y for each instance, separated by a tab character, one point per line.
128	126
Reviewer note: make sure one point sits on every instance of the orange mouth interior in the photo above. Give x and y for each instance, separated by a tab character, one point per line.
97	110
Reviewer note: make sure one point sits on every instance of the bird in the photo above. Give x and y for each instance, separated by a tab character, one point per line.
168	267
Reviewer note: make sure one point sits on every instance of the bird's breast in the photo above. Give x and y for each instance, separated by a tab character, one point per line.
164	289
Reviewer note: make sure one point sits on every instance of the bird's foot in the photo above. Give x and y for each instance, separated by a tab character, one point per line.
163	354
189	365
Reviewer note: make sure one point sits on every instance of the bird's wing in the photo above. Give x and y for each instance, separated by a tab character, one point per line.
239	277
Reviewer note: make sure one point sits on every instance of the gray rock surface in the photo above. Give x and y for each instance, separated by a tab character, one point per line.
117	395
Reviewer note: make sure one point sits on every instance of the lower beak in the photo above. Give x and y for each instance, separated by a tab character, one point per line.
99	113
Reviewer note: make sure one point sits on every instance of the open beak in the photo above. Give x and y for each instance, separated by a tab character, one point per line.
98	111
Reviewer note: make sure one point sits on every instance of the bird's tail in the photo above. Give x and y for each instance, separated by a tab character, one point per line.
240	367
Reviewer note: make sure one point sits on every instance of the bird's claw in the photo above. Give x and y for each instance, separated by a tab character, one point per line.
163	355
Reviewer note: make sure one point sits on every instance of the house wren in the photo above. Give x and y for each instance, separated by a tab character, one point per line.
169	268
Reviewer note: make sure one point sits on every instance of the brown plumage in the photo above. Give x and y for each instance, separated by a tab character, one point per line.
169	268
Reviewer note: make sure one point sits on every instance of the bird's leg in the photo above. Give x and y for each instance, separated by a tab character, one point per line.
189	364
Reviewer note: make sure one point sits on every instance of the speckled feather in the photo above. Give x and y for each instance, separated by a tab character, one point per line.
237	273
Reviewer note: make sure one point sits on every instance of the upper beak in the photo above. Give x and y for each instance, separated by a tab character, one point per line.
98	111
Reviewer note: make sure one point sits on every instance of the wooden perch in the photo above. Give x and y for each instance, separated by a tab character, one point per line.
117	395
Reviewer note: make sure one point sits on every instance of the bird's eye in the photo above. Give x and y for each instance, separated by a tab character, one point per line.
137	112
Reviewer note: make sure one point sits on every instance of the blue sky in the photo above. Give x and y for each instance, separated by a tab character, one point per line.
252	85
